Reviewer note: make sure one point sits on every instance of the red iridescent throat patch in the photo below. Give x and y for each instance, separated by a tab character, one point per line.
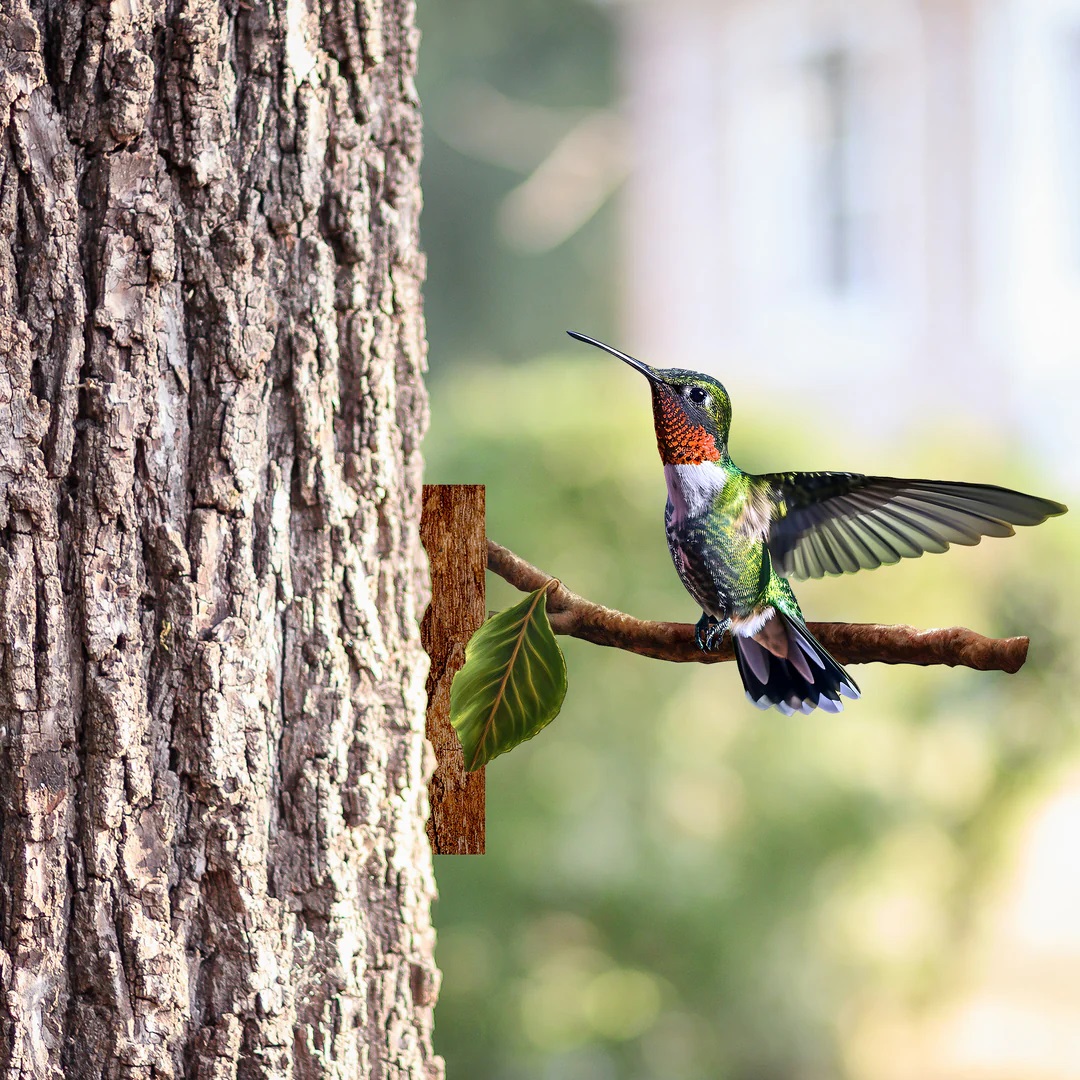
680	442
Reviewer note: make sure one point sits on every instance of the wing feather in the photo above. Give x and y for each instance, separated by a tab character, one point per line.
875	528
832	523
834	537
860	552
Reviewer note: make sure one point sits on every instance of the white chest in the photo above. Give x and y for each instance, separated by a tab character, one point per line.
692	488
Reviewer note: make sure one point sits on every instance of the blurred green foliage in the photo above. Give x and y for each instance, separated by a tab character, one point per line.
677	885
485	299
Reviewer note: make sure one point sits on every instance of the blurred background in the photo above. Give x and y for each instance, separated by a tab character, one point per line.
864	218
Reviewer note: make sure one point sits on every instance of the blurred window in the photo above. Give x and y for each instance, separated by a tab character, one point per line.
1070	146
839	179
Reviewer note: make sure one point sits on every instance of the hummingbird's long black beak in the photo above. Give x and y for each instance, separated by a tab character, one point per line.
645	370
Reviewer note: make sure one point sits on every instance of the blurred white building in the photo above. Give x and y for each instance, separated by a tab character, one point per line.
878	199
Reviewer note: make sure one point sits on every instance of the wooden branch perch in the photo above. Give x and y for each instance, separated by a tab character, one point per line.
849	643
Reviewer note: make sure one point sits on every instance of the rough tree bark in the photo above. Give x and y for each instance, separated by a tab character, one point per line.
212	765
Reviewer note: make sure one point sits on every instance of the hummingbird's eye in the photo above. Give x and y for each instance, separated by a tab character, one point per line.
696	394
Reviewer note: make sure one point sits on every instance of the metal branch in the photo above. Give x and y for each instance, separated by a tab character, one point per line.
849	643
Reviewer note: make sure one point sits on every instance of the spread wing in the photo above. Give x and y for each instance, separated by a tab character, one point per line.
833	523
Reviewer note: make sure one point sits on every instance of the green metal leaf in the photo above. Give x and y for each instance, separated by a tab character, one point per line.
512	683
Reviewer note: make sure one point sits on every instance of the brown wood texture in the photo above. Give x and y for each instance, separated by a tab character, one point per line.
213	770
452	531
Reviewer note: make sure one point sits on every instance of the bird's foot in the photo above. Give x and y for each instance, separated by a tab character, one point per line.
709	632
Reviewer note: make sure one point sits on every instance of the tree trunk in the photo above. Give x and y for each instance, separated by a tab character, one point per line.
212	764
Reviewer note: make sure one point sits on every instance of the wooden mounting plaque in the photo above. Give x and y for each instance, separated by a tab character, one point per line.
453	532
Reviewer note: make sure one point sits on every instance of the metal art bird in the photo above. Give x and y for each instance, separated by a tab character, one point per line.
736	538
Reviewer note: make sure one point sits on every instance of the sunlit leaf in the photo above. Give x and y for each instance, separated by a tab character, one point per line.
512	684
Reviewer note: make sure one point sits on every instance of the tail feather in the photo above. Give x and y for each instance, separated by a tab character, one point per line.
785	667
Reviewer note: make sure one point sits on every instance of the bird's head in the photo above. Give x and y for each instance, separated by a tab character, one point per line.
691	411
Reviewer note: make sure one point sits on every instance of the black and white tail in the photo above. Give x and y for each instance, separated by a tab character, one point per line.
782	665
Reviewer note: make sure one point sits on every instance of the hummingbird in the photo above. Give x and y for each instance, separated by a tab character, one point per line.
735	538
